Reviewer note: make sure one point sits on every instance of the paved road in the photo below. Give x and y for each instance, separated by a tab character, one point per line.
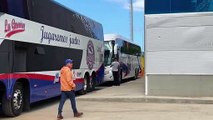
96	110
122	111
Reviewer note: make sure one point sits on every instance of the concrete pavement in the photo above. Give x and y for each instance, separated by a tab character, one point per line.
133	91
123	103
122	111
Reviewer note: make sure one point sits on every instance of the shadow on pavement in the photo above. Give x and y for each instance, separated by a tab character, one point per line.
44	103
110	83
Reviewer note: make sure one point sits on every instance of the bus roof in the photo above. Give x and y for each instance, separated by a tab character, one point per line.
69	9
110	37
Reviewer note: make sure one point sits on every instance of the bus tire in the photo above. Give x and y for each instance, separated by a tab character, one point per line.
120	77
136	74
85	88
14	106
93	82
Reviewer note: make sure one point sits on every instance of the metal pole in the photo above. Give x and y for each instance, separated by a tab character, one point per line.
131	21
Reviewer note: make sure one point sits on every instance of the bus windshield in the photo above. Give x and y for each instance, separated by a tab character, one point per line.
107	53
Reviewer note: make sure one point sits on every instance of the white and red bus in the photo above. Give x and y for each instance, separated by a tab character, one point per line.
127	53
36	36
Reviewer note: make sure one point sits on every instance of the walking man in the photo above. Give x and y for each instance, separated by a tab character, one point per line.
67	89
115	71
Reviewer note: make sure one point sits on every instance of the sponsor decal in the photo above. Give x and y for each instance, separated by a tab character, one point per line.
45	35
79	74
56	79
125	68
50	36
90	55
13	27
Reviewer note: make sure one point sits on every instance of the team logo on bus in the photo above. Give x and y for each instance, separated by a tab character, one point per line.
90	55
13	27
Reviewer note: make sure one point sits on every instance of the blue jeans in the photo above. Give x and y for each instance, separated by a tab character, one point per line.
64	96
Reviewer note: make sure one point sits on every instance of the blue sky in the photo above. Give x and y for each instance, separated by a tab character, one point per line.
113	15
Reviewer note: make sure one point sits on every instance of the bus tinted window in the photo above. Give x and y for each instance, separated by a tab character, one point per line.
58	16
16	8
5	48
130	48
43	57
50	13
177	6
3	5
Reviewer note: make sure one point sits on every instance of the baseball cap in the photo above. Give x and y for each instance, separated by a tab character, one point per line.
68	61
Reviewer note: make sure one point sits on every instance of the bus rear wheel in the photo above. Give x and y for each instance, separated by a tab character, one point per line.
93	82
86	87
120	77
136	74
14	106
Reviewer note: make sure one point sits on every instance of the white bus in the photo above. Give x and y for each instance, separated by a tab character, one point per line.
36	36
127	53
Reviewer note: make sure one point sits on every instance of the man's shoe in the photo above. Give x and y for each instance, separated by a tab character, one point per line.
78	114
59	117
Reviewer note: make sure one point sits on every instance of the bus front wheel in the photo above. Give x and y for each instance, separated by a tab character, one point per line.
14	106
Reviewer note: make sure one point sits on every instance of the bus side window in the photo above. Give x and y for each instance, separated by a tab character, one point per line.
20	58
3	6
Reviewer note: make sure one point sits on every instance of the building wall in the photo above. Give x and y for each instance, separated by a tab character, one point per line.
177	6
179	54
181	85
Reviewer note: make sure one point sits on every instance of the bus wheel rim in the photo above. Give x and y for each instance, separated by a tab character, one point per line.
17	99
85	84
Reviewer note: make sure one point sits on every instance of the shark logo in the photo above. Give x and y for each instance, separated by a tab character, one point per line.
90	55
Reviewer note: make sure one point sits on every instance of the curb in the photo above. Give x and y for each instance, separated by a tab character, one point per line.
148	99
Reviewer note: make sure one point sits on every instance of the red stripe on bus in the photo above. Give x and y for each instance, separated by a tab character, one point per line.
13	32
34	76
80	80
27	76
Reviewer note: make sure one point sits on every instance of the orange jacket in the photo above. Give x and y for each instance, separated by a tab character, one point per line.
66	79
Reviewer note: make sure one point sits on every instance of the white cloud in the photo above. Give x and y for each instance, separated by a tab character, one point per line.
138	5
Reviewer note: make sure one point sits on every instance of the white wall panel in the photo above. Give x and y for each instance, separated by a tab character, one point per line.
179	43
180	38
180	62
179	19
